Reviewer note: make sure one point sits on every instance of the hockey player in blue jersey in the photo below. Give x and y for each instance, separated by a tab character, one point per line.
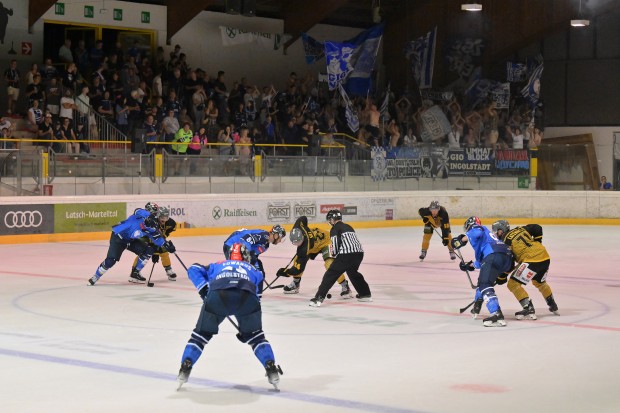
128	235
229	288
493	258
256	241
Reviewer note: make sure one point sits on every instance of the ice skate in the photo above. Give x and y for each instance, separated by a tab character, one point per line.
135	277
346	291
292	288
364	298
422	255
93	279
186	369
553	307
476	309
316	302
495	320
452	255
273	371
527	312
170	273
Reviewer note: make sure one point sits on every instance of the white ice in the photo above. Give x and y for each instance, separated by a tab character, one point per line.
116	347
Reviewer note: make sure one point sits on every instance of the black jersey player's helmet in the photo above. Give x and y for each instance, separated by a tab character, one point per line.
150	222
502	225
434	206
333	215
239	252
296	236
470	222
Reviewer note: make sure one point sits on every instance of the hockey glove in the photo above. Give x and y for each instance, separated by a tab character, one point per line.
169	246
459	242
445	242
502	279
203	292
155	258
282	273
466	266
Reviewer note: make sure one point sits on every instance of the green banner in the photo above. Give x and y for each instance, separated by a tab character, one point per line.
88	217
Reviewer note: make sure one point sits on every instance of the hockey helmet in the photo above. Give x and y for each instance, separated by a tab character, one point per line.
334	215
470	222
296	236
434	206
163	212
151	207
239	252
502	225
277	229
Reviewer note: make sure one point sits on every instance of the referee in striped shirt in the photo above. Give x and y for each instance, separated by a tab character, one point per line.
348	255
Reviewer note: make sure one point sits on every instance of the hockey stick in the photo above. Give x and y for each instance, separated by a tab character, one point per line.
149	283
228	317
462	310
269	285
458	254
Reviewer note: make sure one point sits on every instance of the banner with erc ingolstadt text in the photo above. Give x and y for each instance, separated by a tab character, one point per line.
70	218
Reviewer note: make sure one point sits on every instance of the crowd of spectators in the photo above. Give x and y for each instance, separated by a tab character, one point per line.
162	98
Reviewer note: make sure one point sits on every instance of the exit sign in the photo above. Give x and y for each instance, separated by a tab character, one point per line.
145	17
59	8
118	14
89	12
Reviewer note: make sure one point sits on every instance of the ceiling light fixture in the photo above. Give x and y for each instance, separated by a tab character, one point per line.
580	22
471	6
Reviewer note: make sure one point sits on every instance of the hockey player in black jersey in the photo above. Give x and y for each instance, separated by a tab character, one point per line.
348	255
310	242
436	216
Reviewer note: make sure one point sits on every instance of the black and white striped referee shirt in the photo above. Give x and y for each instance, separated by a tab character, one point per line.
344	240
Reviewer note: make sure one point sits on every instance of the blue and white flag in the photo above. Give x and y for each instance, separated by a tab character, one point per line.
352	62
515	72
352	119
531	91
384	106
500	94
421	52
313	49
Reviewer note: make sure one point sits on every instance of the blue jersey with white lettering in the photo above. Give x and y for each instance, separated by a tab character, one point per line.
255	240
226	274
484	242
133	228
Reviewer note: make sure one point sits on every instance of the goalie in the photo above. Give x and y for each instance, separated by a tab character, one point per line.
310	242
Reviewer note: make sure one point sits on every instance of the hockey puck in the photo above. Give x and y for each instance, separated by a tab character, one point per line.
329	296
150	285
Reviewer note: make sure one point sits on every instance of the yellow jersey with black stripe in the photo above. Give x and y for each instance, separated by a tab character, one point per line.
524	247
315	242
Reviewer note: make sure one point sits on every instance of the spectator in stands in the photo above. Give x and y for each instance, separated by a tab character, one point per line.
122	113
604	185
82	103
170	126
53	93
225	137
67	133
70	77
150	133
12	78
105	107
35	90
35	115
46	132
80	57
198	105
64	53
49	72
198	141
6	132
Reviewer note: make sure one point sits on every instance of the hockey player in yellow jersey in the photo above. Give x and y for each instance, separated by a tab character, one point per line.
310	242
532	265
436	216
166	226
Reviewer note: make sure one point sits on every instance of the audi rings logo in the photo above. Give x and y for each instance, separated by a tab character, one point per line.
23	219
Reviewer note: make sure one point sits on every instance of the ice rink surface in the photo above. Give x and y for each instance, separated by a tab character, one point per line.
116	347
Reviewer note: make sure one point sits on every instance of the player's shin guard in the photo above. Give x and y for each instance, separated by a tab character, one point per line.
260	345
516	288
490	299
195	346
543	287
